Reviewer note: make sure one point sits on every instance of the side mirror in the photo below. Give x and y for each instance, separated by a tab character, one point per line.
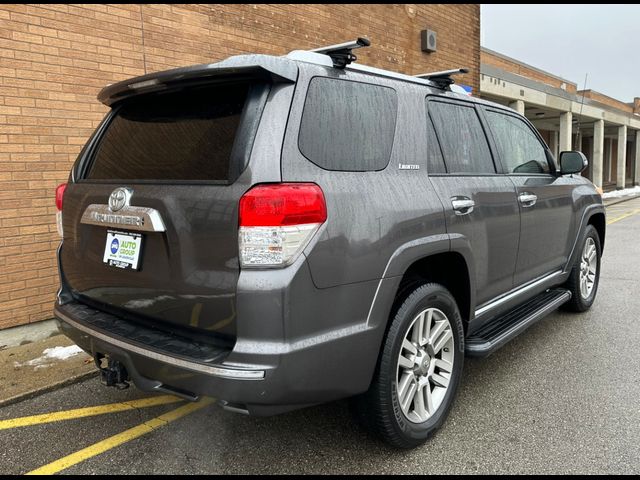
572	162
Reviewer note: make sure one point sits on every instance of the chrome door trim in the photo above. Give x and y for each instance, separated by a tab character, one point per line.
515	293
142	219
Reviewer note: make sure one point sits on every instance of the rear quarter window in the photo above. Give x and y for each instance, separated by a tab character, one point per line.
348	126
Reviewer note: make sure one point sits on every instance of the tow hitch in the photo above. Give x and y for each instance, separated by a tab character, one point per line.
112	372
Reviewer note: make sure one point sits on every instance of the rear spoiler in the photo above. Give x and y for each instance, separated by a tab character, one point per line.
241	67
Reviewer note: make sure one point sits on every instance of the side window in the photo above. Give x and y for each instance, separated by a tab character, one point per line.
462	138
348	126
435	162
519	148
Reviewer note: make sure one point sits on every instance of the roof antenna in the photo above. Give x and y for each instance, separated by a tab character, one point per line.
340	54
580	116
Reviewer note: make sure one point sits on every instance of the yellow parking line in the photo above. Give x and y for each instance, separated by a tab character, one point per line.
119	439
87	412
621	217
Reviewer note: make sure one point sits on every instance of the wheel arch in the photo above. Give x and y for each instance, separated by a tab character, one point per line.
592	215
445	259
599	223
449	269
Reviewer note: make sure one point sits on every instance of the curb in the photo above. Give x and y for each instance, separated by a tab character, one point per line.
615	202
48	388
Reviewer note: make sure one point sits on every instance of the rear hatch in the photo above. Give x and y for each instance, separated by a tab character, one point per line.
151	221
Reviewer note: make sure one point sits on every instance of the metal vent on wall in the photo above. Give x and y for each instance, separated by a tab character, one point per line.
429	40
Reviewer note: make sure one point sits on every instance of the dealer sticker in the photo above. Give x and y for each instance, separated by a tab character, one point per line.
122	250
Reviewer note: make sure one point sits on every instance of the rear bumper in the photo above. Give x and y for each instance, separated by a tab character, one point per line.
155	371
66	321
275	379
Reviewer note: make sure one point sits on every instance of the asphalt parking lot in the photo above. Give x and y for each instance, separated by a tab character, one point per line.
561	398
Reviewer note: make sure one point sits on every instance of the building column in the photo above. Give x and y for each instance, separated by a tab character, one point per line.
636	178
610	171
598	152
553	143
622	155
518	106
565	131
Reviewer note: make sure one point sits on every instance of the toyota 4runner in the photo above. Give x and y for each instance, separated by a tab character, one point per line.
278	232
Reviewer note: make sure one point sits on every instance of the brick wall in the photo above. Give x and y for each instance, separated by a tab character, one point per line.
55	58
510	65
605	100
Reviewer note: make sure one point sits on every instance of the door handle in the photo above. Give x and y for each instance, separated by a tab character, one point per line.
528	199
462	206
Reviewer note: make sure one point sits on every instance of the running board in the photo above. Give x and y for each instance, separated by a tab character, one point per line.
499	331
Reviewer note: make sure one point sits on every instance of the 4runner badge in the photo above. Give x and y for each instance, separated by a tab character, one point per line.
408	166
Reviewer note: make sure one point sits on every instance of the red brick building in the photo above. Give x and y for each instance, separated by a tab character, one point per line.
55	58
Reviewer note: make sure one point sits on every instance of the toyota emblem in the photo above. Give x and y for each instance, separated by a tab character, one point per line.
119	198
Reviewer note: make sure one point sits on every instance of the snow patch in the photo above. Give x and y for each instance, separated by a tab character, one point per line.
62	353
44	365
55	353
623	193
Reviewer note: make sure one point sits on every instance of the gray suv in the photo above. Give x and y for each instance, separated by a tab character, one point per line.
278	232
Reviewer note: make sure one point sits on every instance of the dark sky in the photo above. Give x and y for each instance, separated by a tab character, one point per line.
571	40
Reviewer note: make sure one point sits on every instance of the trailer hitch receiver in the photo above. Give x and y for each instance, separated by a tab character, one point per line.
112	372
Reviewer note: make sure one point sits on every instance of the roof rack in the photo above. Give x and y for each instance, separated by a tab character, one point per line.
340	53
443	79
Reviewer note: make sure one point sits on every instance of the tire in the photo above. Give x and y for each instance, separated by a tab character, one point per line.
582	297
380	408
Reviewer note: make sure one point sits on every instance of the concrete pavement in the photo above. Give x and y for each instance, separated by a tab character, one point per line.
33	368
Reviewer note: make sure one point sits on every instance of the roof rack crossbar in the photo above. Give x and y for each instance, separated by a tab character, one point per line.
340	53
444	73
443	78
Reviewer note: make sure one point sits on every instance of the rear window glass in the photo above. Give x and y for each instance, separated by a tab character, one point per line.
348	126
462	138
184	135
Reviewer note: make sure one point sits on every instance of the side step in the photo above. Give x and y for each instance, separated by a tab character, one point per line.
499	331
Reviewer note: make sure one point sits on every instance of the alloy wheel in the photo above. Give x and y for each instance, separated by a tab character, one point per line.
588	267
425	364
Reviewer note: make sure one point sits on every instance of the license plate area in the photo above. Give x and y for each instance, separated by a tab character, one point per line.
122	249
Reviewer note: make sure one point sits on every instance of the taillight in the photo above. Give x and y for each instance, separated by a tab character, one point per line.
60	195
277	221
59	198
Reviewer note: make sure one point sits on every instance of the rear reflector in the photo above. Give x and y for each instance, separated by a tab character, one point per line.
277	221
59	198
